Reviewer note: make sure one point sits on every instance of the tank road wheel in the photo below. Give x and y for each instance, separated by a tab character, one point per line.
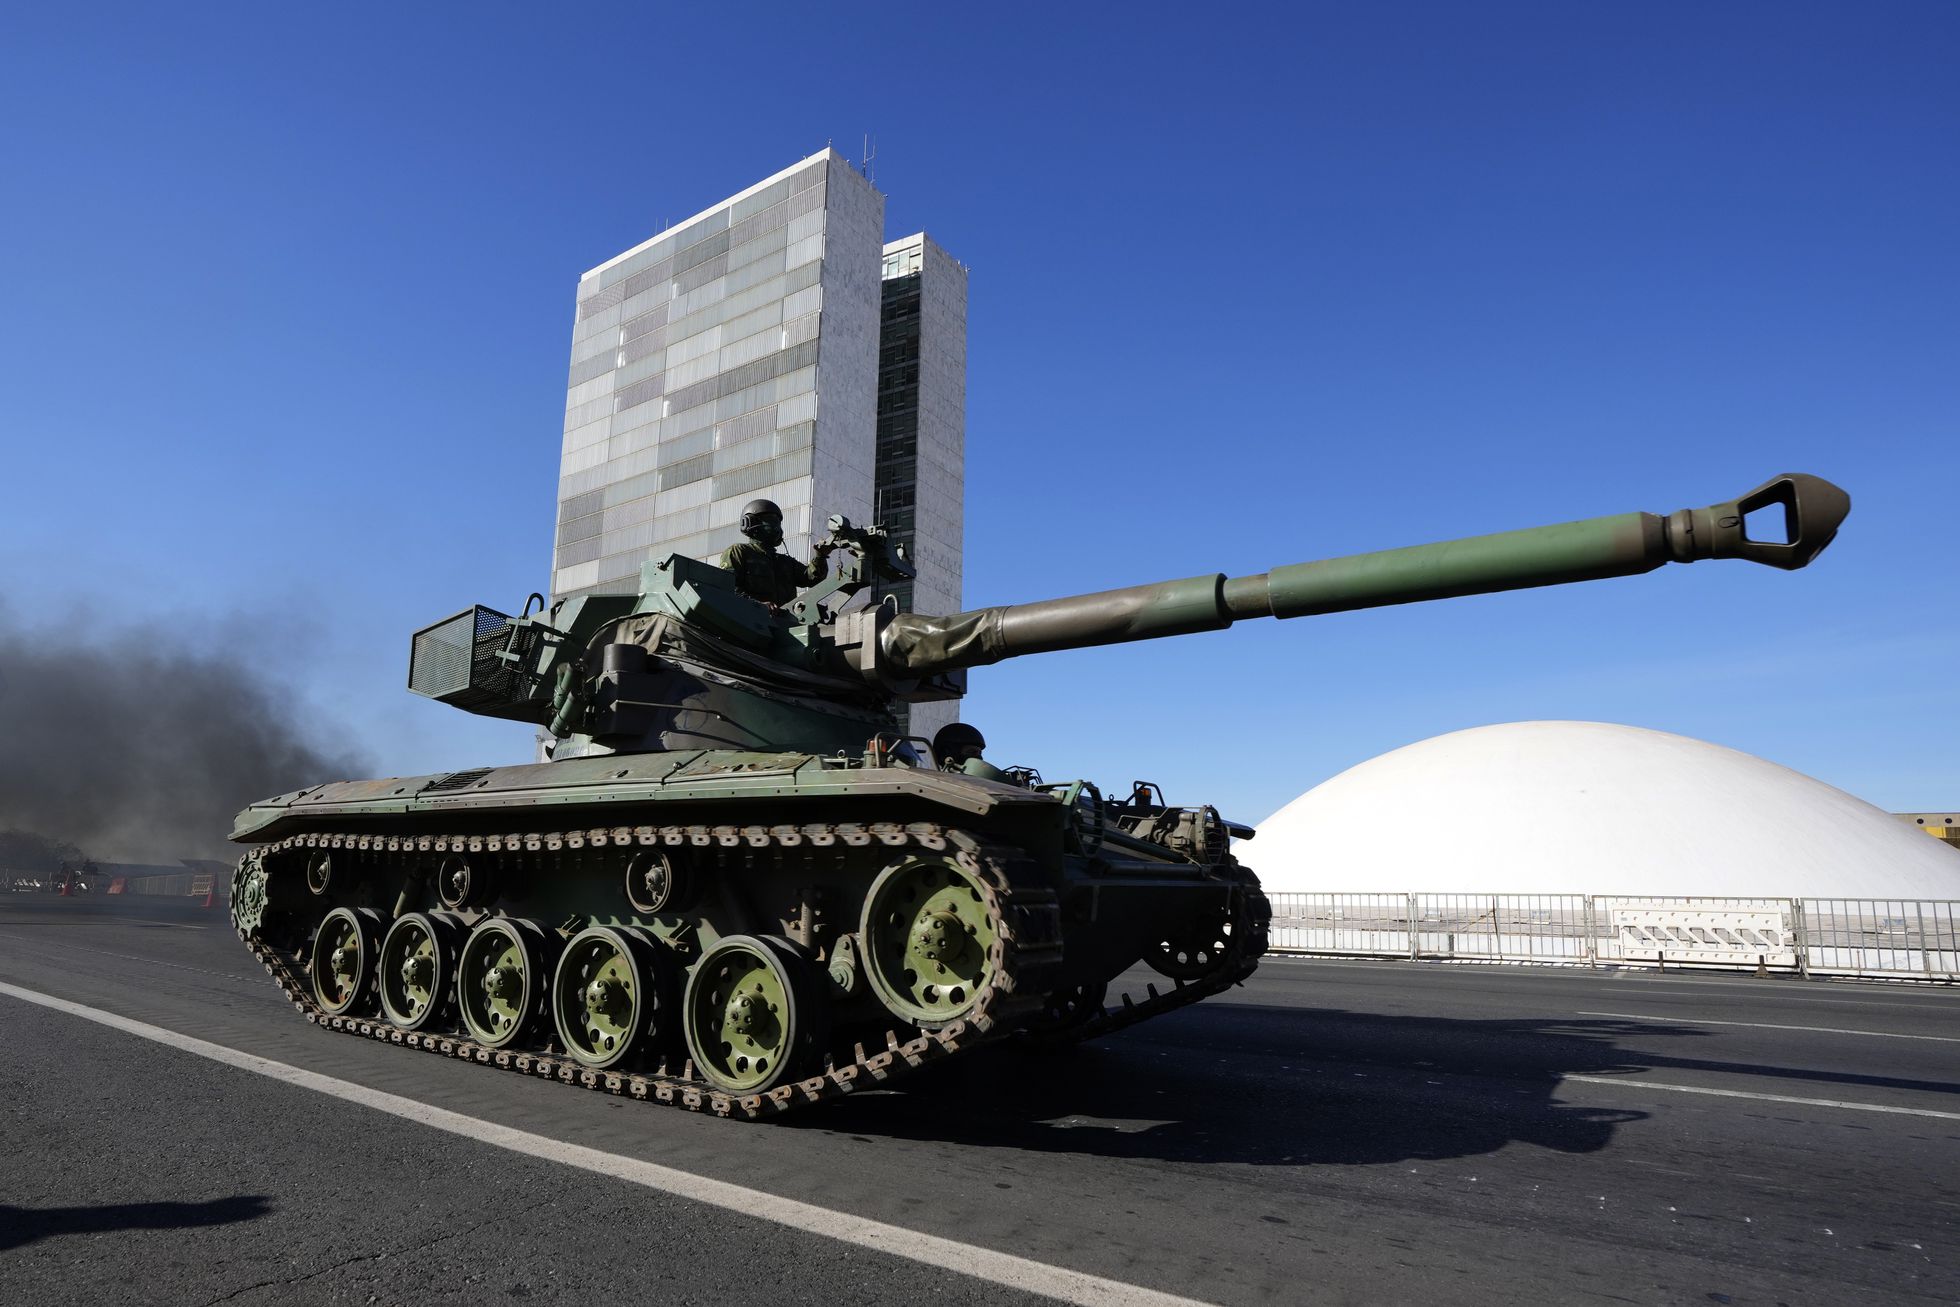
344	959
461	885
931	946
656	882
418	968
755	1015
501	979
615	996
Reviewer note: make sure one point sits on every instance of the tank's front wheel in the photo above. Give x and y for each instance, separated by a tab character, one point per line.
418	968
344	959
615	996
755	1014
931	945
501	979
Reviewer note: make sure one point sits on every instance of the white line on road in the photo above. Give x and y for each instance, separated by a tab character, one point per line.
1758	1025
115	920
65	947
1883	993
1624	1081
1003	1269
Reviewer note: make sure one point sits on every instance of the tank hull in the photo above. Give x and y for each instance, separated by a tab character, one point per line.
741	933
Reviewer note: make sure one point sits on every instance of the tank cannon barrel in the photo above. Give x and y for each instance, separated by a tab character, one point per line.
1622	544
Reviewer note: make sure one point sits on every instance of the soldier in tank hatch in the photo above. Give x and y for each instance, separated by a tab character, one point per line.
760	572
958	747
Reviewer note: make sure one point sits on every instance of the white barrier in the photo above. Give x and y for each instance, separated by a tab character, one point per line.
1918	939
1731	936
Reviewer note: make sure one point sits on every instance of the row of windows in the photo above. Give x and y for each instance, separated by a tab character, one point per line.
695	432
746	301
694	278
897	471
591	469
712	224
650	354
799	263
584	370
652	320
732	382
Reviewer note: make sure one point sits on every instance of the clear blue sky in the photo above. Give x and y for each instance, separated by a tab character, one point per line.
288	295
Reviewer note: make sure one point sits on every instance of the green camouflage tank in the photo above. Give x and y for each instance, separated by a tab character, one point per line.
736	887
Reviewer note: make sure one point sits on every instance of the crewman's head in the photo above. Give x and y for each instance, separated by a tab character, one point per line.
957	742
762	522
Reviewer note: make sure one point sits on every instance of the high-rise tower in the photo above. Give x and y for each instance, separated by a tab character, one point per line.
771	346
921	453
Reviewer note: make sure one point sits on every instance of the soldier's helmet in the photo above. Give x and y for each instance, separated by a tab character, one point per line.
954	738
758	512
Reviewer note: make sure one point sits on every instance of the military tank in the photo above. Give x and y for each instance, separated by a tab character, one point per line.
737	886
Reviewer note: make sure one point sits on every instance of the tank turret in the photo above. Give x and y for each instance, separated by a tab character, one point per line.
691	663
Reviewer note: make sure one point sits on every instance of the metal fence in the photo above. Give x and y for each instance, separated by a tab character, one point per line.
181	884
1917	939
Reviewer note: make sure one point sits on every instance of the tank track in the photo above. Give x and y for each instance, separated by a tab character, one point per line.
1028	959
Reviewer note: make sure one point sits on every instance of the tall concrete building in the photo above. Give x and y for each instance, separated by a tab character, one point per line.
773	346
921	450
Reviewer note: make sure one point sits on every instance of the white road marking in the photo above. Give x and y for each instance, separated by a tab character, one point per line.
1935	1000
64	947
1003	1269
115	920
1881	991
1758	1025
1624	1081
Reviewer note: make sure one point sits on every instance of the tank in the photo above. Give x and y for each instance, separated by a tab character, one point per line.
738	886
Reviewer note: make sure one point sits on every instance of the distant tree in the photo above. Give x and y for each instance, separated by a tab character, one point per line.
24	851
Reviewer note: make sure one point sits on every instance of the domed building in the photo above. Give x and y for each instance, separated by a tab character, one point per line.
1592	808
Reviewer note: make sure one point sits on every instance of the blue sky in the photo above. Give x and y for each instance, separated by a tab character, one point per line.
289	295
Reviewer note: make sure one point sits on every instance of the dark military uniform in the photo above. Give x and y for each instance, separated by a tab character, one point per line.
769	576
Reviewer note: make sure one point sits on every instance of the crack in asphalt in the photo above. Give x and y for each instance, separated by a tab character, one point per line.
410	1250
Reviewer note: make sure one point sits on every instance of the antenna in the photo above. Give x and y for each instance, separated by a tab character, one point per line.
870	156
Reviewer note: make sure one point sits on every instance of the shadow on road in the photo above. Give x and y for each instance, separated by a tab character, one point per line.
20	1226
1274	1086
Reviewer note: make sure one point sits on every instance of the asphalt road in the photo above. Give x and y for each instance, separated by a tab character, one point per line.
1333	1132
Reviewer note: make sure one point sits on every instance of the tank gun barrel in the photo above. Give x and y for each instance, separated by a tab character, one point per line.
1623	544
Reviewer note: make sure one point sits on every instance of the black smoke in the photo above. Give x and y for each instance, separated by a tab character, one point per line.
140	744
24	851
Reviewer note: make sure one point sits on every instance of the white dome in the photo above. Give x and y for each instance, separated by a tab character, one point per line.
1592	808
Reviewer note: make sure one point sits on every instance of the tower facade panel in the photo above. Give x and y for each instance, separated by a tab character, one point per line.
728	358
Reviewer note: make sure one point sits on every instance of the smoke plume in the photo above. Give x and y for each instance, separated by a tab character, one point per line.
138	746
